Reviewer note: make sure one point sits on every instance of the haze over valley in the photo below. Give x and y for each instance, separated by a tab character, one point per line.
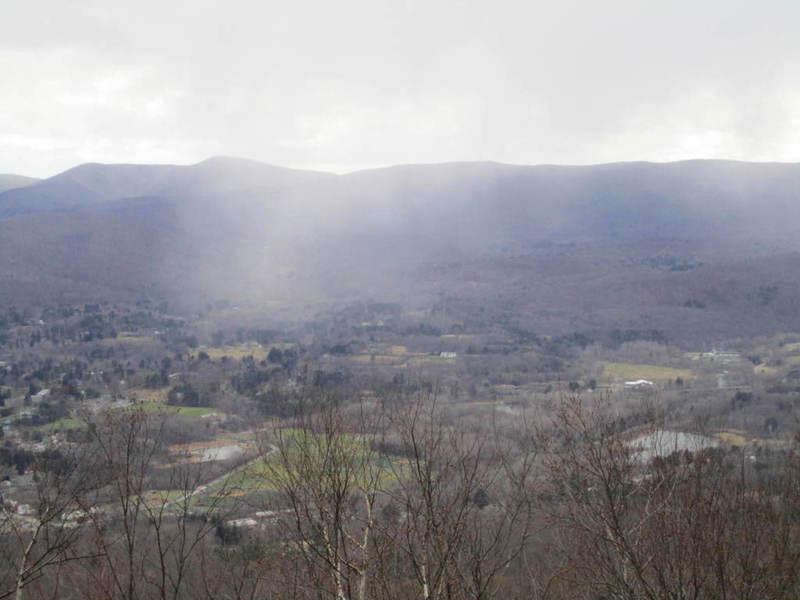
628	244
380	300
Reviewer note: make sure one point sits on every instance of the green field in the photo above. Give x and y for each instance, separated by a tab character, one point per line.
265	474
183	411
148	407
64	423
627	371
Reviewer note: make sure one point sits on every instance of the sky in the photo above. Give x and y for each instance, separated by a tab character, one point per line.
351	84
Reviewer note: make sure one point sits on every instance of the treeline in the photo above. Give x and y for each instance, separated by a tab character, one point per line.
87	323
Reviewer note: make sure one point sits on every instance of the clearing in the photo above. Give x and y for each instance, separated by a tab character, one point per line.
627	371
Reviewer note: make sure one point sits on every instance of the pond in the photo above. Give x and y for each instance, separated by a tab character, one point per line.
664	442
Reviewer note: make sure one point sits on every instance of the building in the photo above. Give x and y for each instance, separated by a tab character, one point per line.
639	384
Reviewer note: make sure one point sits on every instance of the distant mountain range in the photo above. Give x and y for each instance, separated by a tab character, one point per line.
9	182
628	242
92	184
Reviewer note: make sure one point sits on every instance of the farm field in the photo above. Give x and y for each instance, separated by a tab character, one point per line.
380	359
264	474
237	352
146	395
134	338
399	356
627	371
148	407
183	411
740	439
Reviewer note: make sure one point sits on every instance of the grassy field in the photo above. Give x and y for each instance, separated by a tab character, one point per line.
378	359
733	437
133	338
264	475
149	407
740	439
183	411
150	395
237	352
613	371
64	423
154	400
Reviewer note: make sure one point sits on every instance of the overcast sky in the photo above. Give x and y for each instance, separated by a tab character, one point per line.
349	84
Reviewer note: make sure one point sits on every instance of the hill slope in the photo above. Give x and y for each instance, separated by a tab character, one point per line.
690	247
94	184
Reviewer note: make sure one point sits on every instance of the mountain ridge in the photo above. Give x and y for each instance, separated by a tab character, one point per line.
486	233
93	183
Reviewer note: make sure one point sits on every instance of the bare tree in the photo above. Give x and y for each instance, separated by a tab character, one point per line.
329	478
463	502
147	541
178	529
689	525
42	542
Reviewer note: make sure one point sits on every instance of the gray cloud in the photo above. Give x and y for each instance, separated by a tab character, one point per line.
356	83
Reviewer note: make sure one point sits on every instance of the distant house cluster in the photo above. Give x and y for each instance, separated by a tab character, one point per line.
718	356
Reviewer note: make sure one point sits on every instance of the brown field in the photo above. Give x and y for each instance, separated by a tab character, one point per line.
238	352
380	359
740	439
148	395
